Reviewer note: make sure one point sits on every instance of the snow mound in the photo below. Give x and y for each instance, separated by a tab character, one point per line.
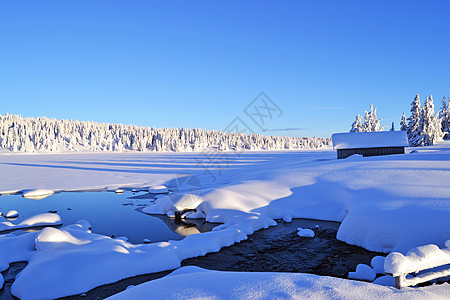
12	214
119	191
287	218
306	233
363	272
417	259
158	189
37	194
377	264
45	219
2	281
186	201
85	224
385	280
161	206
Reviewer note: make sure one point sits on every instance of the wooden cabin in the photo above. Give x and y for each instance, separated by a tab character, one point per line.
369	143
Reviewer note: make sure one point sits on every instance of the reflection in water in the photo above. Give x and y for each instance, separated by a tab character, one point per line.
188	227
109	213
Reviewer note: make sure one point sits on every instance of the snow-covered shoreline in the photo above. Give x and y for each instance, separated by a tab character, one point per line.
385	204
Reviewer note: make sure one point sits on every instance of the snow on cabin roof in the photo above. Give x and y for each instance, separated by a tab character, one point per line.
352	140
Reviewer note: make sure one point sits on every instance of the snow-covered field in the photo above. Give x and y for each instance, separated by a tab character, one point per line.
390	203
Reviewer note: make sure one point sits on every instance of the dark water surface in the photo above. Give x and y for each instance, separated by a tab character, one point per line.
109	214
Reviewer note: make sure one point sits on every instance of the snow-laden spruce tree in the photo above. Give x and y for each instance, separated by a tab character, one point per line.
403	124
414	131
357	125
430	124
371	122
444	116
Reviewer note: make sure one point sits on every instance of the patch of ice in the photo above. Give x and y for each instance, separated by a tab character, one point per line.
363	272
377	264
306	233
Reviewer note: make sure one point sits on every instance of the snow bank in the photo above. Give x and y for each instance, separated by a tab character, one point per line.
45	219
73	254
16	248
196	283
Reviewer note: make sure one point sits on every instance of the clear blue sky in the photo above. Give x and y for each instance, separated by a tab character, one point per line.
198	64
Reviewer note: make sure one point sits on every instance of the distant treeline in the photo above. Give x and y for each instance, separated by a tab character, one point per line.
43	134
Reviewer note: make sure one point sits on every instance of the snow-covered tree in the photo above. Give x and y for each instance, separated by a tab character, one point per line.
43	134
403	124
444	116
414	128
357	125
430	124
371	122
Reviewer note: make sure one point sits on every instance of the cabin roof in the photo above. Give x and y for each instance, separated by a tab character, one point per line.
354	140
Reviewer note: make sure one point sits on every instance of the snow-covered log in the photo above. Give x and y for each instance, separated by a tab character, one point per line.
429	262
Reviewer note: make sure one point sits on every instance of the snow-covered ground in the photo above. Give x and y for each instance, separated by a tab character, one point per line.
390	203
197	283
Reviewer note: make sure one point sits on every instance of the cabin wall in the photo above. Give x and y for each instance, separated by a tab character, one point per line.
343	153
